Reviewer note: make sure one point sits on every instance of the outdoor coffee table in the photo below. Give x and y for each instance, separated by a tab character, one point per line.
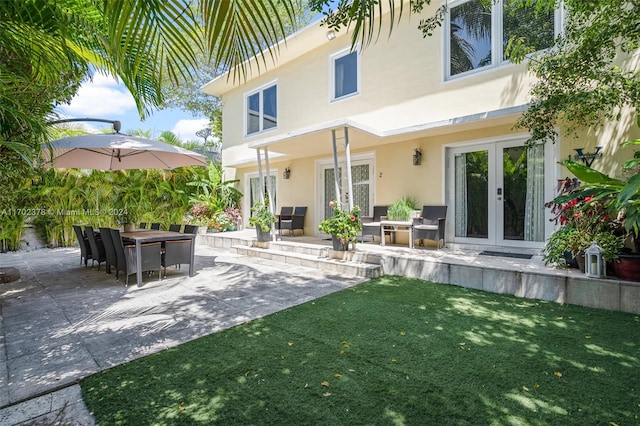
395	226
152	236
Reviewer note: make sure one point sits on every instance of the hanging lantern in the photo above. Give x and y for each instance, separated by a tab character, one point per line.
594	264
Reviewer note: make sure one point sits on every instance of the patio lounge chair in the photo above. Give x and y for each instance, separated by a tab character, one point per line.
431	224
371	224
83	242
98	253
296	221
126	257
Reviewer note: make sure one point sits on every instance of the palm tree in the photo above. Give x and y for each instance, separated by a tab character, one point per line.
47	48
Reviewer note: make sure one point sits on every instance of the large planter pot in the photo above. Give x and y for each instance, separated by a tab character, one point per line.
339	245
627	267
263	236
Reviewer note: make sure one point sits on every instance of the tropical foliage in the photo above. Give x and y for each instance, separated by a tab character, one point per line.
213	197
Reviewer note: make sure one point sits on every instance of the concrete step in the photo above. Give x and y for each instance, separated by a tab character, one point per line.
326	251
321	258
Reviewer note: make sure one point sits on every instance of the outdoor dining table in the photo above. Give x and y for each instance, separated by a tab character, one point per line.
395	226
153	236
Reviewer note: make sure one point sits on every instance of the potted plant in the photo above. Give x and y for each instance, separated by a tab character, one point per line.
583	221
402	209
262	218
623	198
343	226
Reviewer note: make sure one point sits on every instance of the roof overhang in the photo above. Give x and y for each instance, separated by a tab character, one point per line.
317	140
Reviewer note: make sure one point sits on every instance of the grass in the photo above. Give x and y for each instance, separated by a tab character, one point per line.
392	351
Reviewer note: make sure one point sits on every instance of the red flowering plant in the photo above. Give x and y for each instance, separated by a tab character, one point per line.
582	221
344	225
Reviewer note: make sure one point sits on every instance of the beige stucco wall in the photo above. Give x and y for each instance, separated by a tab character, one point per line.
393	177
401	85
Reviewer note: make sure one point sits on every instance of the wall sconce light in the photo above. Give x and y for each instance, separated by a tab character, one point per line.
331	35
594	265
286	174
417	157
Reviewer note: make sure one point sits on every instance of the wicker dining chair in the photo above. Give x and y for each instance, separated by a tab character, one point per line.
98	253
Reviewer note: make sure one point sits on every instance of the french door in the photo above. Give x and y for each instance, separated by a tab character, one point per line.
361	173
497	193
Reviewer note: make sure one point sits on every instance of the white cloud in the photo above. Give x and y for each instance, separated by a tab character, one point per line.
101	97
186	129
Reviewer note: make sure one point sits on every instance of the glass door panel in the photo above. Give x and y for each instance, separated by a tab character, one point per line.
471	201
514	182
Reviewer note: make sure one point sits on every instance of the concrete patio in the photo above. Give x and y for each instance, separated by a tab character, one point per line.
62	322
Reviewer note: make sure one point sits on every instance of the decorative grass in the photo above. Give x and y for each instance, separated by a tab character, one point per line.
393	350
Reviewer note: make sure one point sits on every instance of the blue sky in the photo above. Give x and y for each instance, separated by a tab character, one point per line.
105	98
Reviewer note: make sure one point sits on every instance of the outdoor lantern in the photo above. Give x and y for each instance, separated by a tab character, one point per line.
594	265
286	173
417	157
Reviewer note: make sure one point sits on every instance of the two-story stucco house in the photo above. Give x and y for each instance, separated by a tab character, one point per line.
401	97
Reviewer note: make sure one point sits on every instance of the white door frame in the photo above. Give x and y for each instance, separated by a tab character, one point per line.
327	163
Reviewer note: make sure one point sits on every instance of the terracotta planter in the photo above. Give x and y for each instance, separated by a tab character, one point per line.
339	245
627	267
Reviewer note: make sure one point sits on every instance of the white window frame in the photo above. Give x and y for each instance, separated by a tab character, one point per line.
497	51
245	110
332	72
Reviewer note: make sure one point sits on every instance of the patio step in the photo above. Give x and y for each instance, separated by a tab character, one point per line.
319	257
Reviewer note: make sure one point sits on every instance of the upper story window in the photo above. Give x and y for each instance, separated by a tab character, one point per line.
262	109
479	34
345	74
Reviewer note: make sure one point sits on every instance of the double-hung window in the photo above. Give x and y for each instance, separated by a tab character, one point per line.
345	79
262	109
478	33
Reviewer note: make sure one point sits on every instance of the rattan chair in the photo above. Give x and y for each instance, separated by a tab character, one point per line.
296	221
85	249
175	227
110	251
156	226
371	224
176	253
143	225
285	214
431	225
190	229
127	259
98	253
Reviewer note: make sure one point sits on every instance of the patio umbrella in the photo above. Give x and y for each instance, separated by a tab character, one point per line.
117	152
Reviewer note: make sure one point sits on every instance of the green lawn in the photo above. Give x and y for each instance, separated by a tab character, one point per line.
393	350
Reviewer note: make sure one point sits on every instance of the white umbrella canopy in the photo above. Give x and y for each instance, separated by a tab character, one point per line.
117	152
